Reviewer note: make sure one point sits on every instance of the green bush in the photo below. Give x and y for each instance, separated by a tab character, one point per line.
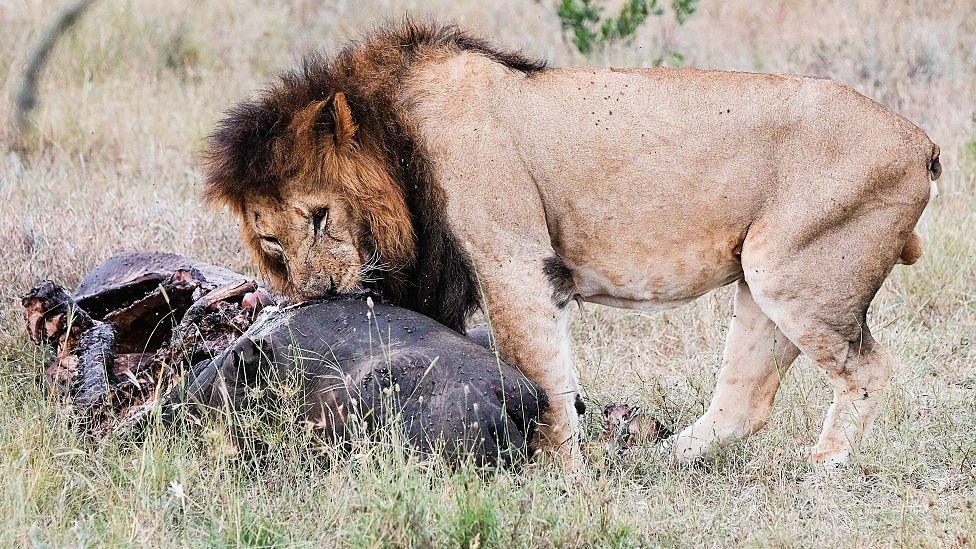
971	152
592	30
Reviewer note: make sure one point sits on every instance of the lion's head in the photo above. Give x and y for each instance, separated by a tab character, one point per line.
332	184
318	210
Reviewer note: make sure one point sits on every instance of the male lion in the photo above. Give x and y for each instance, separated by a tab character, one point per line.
452	175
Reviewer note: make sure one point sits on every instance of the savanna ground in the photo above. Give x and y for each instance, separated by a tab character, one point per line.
126	100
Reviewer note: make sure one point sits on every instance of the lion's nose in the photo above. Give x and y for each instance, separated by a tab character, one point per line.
319	287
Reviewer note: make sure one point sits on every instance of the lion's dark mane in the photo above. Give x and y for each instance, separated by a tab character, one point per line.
241	154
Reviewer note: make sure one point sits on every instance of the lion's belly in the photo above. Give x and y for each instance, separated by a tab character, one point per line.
639	278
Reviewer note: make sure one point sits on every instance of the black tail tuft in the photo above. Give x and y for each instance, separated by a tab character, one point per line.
935	167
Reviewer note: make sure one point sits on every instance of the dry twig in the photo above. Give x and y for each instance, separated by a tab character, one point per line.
26	97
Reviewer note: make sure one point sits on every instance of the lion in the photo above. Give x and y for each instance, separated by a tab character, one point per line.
451	175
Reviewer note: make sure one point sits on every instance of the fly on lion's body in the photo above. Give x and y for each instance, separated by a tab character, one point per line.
452	175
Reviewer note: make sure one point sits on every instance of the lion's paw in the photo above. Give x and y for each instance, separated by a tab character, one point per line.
690	445
830	456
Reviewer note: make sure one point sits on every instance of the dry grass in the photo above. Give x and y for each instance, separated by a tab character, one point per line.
125	103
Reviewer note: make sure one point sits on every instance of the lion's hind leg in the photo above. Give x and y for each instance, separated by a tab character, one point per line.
858	370
756	357
823	310
858	380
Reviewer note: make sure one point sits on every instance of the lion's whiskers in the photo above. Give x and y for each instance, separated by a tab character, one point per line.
370	270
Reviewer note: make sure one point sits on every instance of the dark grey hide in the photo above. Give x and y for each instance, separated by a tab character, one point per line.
373	366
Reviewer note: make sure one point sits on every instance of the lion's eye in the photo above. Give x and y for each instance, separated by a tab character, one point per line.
319	219
271	245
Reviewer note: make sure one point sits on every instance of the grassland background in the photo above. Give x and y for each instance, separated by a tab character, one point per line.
129	95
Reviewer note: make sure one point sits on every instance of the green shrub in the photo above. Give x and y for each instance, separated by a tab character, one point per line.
971	152
590	30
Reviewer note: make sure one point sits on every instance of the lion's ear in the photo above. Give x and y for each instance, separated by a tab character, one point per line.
345	126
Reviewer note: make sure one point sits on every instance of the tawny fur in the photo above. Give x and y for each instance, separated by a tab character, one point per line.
476	176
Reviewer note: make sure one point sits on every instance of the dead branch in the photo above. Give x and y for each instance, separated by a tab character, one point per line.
26	97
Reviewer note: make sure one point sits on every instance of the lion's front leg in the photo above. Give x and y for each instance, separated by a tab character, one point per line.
528	317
